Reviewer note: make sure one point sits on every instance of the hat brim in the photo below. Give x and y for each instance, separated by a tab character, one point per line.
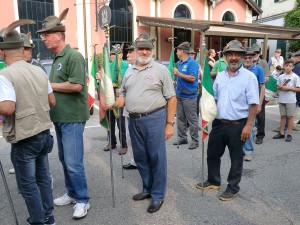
182	48
234	50
11	45
61	28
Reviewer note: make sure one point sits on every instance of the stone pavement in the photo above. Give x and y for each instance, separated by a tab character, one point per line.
269	193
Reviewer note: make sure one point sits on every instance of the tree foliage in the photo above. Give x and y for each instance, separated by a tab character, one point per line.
291	19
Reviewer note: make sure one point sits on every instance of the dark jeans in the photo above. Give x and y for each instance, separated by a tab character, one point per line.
30	160
260	119
113	128
223	135
148	145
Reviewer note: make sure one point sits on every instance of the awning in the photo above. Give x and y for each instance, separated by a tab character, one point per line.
231	29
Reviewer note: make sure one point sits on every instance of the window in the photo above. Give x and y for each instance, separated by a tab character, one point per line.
121	17
259	2
36	10
228	16
182	35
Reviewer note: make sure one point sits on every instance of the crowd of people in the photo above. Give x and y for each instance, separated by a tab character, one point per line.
147	102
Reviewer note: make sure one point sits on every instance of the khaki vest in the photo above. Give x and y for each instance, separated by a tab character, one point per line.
276	63
32	107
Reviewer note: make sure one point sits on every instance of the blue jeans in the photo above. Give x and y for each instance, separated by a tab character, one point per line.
149	150
70	152
30	160
248	145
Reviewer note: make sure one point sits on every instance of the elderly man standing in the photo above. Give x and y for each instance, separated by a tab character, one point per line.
25	96
186	93
276	60
70	114
149	97
236	94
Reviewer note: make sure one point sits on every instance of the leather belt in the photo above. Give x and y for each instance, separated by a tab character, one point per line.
139	115
235	122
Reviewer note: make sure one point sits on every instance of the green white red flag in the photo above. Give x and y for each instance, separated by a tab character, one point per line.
207	101
171	64
92	84
107	96
271	88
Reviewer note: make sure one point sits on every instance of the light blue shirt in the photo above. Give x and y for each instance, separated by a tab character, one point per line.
235	94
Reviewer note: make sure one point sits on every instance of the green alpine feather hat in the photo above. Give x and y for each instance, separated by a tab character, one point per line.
10	38
234	46
250	52
184	46
54	24
28	43
116	49
255	47
144	41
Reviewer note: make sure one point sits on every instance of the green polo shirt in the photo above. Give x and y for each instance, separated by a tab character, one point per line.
69	65
219	66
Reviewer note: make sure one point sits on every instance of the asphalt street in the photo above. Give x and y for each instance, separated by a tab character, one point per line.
270	186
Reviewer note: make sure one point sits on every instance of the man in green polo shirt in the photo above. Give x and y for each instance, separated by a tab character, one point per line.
67	78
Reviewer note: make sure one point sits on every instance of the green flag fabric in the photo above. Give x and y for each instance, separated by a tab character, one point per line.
171	64
207	101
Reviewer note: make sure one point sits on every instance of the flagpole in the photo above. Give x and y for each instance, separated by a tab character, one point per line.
8	194
202	183
109	132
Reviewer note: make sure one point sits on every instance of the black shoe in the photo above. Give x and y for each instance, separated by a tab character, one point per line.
141	196
288	138
182	142
113	146
193	146
227	195
259	140
278	136
207	185
154	206
129	166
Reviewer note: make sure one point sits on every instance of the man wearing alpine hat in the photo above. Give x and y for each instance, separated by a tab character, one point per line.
236	95
70	114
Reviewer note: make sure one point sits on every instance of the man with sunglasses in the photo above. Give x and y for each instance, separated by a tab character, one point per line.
68	82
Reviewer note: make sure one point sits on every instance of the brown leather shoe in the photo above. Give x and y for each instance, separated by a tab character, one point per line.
107	147
123	151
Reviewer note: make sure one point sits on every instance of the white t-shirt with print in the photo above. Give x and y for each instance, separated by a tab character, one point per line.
291	80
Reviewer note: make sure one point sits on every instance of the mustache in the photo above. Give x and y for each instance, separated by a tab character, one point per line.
233	61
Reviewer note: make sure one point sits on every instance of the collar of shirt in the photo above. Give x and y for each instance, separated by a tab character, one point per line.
187	61
63	52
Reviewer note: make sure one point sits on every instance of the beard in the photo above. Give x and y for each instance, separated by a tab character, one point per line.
234	65
141	61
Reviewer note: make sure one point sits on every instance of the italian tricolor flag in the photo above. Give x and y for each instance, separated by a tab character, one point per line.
207	102
271	88
92	82
107	96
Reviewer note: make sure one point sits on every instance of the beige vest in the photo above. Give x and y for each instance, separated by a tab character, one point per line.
276	63
32	107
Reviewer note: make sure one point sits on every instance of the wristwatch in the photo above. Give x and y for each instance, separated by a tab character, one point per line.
171	123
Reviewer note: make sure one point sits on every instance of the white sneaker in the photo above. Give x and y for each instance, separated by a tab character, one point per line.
248	158
12	171
80	210
64	200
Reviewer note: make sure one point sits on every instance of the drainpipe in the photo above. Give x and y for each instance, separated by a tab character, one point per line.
156	29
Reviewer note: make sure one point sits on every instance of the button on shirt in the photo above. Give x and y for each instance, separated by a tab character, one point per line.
235	94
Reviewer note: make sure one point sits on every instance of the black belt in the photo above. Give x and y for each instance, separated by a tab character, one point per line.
236	122
139	115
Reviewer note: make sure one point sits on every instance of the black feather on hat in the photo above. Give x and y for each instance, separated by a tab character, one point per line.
144	41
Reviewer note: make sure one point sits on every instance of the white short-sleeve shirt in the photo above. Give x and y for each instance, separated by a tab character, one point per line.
7	91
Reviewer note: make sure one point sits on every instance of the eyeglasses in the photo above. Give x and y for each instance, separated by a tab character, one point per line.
248	57
45	35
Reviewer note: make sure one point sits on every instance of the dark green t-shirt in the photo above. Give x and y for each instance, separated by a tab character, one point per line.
69	65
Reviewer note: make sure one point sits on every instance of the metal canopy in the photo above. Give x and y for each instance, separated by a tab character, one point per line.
229	29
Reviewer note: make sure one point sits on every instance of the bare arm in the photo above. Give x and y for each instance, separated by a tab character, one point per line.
261	97
66	87
171	110
51	99
248	127
213	74
120	102
7	108
189	78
